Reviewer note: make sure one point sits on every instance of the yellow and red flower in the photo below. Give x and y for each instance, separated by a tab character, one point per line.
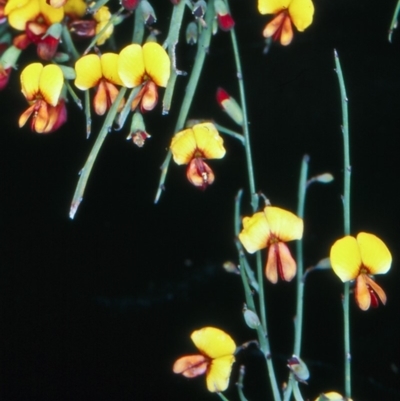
286	12
358	259
191	146
42	88
92	71
149	66
215	359
40	22
272	228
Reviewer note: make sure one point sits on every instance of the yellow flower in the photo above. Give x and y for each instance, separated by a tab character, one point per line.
148	65
42	87
272	228
101	71
298	12
102	17
19	12
357	259
191	146
217	356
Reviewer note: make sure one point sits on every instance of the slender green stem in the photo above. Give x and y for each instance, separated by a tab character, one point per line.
69	44
262	333
88	114
299	253
239	383
346	222
87	168
138	29
393	24
230	132
222	397
170	43
298	327
72	93
202	50
246	134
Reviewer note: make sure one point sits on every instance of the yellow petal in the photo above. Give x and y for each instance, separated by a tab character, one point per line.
75	8
50	14
209	141
19	12
50	83
191	365
280	262
331	395
361	292
131	65
272	6
374	253
157	63
255	233
109	67
285	225
219	373
183	146
30	76
109	29
301	13
88	71
345	258
213	342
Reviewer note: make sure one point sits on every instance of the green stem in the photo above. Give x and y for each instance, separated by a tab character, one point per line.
222	397
138	29
87	168
170	43
69	44
202	50
239	383
346	221
230	132
88	114
246	134
262	333
299	256
393	24
298	327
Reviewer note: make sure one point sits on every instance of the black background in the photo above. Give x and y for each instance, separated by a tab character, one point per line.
101	306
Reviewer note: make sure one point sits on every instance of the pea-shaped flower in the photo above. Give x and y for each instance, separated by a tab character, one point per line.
147	66
101	72
286	12
271	229
215	359
191	146
358	259
42	87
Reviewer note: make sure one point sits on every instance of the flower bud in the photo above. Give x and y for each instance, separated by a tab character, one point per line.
250	318
192	33
225	20
230	105
298	368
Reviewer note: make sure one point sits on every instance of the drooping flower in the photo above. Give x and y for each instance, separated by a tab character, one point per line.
271	229
42	87
358	259
215	359
191	146
92	71
286	12
149	66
